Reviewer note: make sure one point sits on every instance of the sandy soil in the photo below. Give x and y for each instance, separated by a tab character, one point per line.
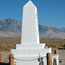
62	57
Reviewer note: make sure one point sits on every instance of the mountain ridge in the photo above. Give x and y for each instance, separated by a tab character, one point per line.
12	28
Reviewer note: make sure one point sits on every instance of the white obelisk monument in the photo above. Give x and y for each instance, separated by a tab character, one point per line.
30	33
30	49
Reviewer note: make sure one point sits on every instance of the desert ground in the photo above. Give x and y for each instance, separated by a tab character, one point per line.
6	44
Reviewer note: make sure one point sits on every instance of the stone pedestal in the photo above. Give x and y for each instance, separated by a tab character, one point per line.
29	53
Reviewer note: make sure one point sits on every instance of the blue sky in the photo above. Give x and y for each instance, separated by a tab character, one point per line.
50	12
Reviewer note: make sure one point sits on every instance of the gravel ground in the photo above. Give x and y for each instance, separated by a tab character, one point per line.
61	57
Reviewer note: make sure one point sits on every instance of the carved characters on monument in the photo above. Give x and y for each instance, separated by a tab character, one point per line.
40	60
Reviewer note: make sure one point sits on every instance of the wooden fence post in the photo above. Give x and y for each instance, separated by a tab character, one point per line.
56	52
1	58
49	59
11	59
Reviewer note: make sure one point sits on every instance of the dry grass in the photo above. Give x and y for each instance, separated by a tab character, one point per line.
7	44
55	43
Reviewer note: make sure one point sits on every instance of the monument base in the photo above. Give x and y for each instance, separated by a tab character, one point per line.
28	54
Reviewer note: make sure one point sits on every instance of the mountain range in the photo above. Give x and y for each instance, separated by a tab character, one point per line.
12	28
